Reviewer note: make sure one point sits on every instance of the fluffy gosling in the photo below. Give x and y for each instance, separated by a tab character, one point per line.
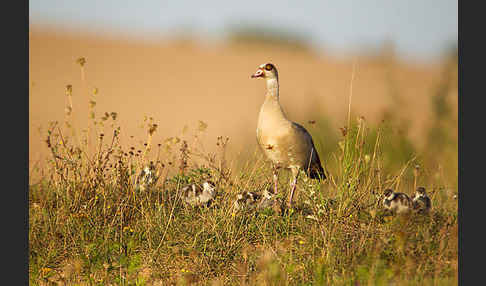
252	200
420	201
246	200
398	203
147	178
197	195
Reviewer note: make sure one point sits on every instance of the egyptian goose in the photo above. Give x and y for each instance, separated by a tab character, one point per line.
287	144
252	200
396	202
146	178
420	201
197	195
246	200
267	200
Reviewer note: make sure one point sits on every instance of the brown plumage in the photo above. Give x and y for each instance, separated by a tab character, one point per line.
287	144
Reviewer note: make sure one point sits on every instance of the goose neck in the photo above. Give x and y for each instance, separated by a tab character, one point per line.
272	87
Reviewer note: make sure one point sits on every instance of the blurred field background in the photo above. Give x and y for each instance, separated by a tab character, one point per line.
181	81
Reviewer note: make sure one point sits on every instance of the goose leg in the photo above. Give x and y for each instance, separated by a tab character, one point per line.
293	185
275	180
276	205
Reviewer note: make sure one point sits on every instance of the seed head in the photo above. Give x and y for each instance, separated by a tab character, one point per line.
81	61
69	89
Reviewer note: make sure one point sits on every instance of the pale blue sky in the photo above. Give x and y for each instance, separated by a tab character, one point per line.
421	29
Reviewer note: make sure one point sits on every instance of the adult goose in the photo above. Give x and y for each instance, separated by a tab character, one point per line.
286	144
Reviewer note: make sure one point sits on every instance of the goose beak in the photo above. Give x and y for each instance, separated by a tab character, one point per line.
259	73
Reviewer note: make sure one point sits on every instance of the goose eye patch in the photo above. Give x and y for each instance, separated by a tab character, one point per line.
268	67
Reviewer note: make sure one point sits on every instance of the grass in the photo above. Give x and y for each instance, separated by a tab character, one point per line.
90	225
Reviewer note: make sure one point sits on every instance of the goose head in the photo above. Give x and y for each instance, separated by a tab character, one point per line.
267	71
420	192
389	194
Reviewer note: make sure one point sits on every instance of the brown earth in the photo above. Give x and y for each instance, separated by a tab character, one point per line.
179	82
